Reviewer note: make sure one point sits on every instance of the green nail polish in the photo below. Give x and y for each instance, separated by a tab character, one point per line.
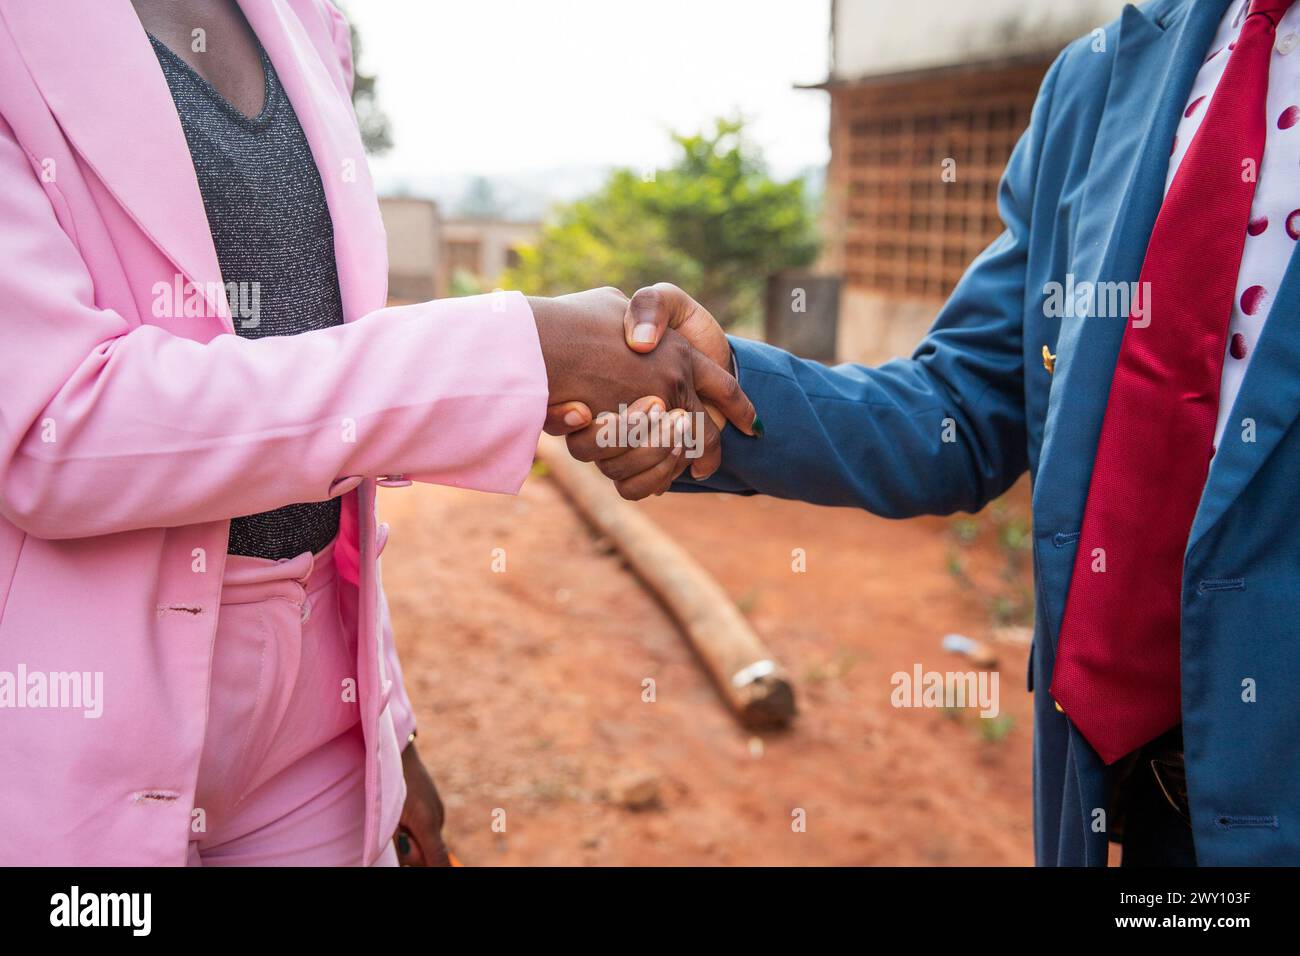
758	428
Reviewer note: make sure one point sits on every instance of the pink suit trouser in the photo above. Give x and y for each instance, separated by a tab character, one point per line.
282	777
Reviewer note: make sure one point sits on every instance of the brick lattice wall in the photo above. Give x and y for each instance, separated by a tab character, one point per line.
895	227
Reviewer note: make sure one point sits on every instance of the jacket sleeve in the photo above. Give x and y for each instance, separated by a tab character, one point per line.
109	426
940	432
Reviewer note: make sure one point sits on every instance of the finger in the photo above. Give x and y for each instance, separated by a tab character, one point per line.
649	482
648	405
603	440
681	467
645	440
703	442
566	417
681	416
651	310
636	460
594	444
718	388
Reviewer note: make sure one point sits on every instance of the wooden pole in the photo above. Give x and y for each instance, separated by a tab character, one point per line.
750	681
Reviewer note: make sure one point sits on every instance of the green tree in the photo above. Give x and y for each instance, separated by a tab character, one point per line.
376	129
714	222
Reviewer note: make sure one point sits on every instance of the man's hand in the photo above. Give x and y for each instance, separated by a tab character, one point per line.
583	340
664	306
418	839
644	467
638	472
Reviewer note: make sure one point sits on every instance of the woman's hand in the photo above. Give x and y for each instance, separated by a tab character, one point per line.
584	344
418	839
638	472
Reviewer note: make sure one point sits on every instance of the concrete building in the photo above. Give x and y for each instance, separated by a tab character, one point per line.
412	226
481	248
926	106
426	252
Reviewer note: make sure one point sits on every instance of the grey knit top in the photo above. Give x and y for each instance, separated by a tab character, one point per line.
275	245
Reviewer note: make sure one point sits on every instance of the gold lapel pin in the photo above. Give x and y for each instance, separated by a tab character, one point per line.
1049	360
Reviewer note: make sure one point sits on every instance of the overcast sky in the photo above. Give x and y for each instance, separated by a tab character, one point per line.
499	87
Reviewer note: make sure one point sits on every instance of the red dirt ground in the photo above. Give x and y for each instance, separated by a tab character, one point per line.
528	684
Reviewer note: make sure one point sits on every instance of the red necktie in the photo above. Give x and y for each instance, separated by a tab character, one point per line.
1117	659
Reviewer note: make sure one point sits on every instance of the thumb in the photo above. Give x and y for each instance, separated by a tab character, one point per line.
650	311
566	417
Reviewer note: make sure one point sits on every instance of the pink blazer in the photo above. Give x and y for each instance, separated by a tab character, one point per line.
127	440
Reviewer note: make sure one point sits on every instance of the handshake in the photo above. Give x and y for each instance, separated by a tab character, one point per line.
641	386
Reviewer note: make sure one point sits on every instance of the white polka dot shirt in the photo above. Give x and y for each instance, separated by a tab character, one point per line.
1275	214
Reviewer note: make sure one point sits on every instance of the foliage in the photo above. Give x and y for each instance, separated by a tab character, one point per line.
714	222
464	282
376	130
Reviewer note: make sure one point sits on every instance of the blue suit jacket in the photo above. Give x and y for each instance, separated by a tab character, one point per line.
1079	196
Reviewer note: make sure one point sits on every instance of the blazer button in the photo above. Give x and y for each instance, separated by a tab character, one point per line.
1049	360
393	481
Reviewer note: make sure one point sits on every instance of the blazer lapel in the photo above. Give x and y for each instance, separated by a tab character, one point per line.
93	64
1160	50
325	114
